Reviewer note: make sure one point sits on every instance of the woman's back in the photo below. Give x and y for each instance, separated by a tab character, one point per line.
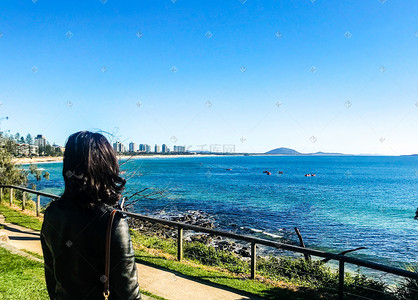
75	239
73	233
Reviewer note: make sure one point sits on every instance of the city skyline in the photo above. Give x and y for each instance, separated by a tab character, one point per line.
307	75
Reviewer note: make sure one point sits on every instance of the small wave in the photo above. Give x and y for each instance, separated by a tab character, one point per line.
272	235
262	232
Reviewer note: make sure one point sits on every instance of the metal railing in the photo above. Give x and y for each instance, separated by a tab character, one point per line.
341	258
26	190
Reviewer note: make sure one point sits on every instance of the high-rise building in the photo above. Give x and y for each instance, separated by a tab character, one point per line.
142	148
179	149
157	148
119	147
147	148
132	147
164	148
40	141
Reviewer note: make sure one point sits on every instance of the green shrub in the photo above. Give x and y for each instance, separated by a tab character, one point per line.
409	287
314	272
210	256
366	287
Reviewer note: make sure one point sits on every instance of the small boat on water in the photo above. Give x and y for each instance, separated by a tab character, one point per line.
229	169
310	175
267	172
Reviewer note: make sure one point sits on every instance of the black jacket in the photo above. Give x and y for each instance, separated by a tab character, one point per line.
73	244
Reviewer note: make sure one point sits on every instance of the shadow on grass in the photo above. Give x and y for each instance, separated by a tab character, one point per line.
11	229
267	292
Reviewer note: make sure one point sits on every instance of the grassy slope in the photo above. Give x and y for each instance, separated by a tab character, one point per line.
21	278
19	218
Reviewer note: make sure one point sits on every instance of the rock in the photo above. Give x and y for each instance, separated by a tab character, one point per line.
197	218
244	253
201	238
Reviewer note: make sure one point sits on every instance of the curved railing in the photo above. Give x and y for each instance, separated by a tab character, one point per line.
341	258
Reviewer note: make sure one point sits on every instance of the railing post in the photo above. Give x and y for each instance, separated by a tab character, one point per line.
1	194
341	280
38	205
11	196
23	200
179	243
253	259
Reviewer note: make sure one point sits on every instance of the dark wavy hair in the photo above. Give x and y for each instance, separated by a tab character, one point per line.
91	170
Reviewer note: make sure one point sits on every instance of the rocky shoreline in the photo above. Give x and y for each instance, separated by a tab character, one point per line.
191	217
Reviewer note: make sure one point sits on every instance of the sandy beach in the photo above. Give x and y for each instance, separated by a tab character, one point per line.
51	159
35	160
171	156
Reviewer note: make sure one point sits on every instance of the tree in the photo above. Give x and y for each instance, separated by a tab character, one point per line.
38	175
17	137
29	139
48	150
10	173
22	140
32	168
46	175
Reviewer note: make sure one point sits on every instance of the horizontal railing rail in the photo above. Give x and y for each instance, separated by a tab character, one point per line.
30	191
26	190
293	248
342	259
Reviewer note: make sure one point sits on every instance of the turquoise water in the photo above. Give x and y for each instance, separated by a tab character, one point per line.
351	202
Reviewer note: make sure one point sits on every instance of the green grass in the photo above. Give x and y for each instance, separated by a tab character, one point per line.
34	254
226	279
151	295
19	218
167	245
21	278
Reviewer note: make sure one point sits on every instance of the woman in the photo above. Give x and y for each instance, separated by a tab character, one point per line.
74	229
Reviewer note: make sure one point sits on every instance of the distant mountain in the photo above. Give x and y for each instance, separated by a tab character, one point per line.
283	151
288	151
327	153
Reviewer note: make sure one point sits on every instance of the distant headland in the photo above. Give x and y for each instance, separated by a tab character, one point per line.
288	151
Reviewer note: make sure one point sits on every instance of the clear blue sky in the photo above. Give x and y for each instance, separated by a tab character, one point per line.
361	98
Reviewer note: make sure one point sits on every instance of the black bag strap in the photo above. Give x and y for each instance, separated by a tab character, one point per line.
106	291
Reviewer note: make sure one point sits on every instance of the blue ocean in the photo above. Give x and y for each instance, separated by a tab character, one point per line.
352	201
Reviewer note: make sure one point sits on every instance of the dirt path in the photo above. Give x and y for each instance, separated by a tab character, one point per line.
167	284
